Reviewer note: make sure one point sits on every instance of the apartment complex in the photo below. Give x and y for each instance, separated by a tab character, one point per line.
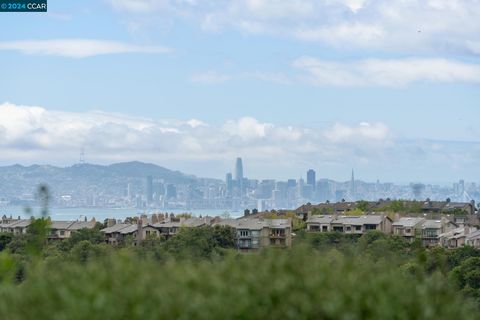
349	224
57	229
254	234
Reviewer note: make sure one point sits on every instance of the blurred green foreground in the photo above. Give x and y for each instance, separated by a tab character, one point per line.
199	275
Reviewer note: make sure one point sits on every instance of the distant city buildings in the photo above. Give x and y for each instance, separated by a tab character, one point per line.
312	179
160	188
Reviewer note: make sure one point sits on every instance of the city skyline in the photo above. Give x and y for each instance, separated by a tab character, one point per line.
143	185
303	173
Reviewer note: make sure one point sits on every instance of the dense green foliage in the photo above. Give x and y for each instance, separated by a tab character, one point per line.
198	274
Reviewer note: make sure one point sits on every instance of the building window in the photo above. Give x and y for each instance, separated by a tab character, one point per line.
358	228
370	227
324	228
244	233
62	233
245	244
430	233
277	233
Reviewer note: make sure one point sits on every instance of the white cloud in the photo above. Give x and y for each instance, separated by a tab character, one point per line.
393	25
36	135
387	72
77	48
360	73
346	34
247	128
51	133
363	131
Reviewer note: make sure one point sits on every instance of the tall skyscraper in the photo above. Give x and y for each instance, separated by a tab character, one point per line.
239	170
311	178
239	176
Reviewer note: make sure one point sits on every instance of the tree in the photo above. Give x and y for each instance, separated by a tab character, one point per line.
397	206
5	239
224	236
362	205
85	250
354	212
94	236
467	276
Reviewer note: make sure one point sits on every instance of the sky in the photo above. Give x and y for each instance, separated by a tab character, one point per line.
388	88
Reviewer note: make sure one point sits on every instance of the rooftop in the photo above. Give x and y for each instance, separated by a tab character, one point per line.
408	222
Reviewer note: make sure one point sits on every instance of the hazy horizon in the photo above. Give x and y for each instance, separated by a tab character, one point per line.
222	176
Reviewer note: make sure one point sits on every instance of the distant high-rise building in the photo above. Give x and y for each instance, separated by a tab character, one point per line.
291	183
239	170
353	191
129	191
324	191
149	189
239	176
158	191
300	185
170	191
229	184
311	178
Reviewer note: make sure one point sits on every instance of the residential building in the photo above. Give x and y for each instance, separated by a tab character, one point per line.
350	224
408	227
64	229
473	239
170	228
319	223
432	229
18	226
254	234
426	206
119	232
454	238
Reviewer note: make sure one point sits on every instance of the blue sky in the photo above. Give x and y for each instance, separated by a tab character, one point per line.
388	87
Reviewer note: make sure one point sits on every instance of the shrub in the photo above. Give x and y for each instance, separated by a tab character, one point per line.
295	284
